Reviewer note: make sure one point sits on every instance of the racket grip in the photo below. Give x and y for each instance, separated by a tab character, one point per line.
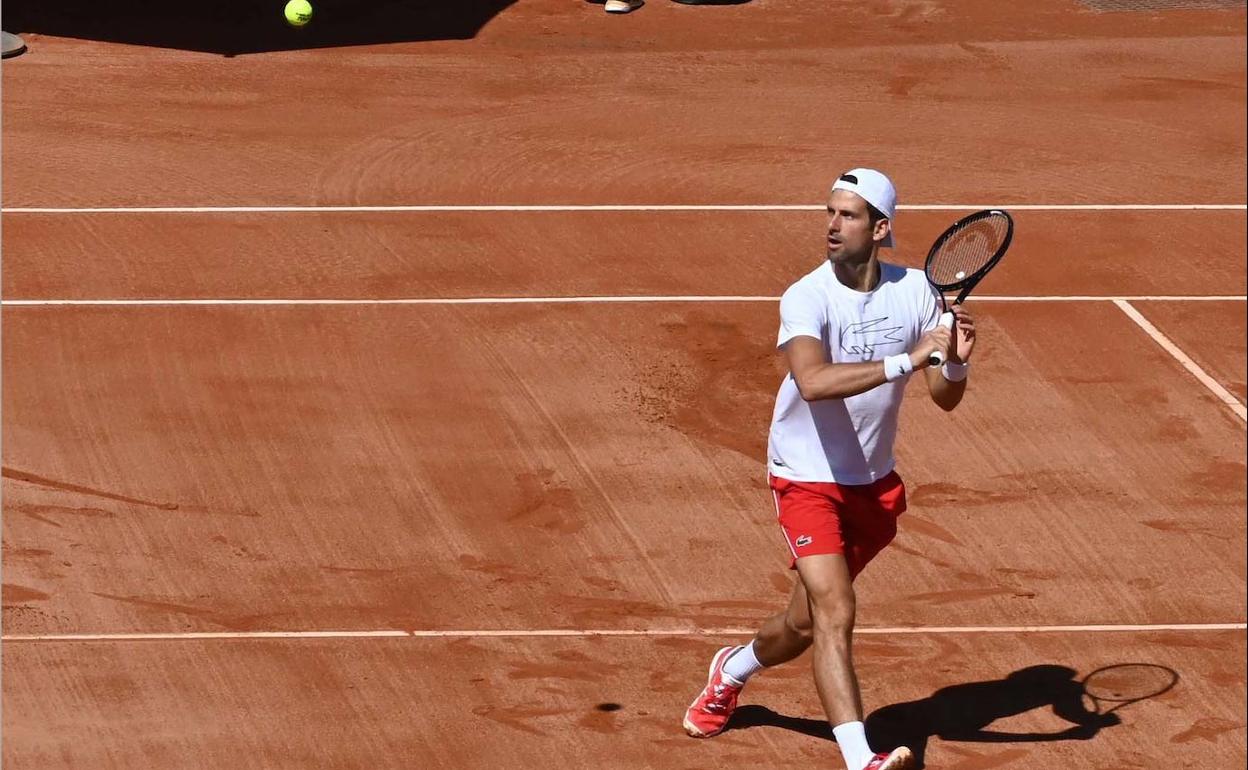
938	358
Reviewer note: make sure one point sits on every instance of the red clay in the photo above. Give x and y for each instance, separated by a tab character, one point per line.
336	464
398	255
556	103
1212	335
598	466
477	703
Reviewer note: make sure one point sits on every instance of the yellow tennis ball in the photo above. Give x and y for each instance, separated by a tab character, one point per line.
298	12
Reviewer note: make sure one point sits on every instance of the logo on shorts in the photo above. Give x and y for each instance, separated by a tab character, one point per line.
803	540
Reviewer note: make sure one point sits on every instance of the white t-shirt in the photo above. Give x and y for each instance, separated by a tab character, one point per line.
849	440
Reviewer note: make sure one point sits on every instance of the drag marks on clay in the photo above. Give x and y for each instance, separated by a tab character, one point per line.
18	553
1206	730
1204	642
1227	679
1219	479
598	611
516	717
983	759
63	486
14	595
240	551
1190	527
910	522
943	494
43	513
781	582
607	611
210	615
362	572
701	380
965	595
502	572
580	464
546	501
570	665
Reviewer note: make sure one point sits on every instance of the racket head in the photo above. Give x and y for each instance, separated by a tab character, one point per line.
968	248
1112	687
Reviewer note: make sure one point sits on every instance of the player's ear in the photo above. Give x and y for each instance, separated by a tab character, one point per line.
882	228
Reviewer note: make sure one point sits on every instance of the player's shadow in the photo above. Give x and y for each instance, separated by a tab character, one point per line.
232	27
961	712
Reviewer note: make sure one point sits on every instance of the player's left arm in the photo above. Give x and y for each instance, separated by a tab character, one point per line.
946	393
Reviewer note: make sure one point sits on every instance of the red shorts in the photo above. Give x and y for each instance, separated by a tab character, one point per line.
825	517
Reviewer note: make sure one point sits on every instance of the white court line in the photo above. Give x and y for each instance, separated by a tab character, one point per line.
1188	364
613	207
608	632
564	300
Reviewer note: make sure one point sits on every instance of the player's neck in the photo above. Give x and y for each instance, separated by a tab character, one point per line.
859	276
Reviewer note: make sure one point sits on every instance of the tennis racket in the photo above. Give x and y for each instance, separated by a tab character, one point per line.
963	255
1112	687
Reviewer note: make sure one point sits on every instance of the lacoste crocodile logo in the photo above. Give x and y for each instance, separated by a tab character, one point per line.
865	337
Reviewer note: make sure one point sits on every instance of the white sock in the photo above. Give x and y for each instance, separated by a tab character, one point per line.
852	738
742	664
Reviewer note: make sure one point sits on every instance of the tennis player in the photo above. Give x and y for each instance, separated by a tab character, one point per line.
852	332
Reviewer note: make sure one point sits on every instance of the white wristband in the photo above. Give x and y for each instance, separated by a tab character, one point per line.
898	366
954	372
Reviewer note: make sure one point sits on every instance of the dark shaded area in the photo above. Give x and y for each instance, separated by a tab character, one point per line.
749	716
233	27
961	713
608	707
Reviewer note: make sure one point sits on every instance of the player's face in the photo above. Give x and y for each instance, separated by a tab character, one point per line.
850	235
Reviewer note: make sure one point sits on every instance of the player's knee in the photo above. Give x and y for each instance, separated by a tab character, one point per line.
833	613
799	628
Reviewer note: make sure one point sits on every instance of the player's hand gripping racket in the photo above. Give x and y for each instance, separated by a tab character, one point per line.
963	255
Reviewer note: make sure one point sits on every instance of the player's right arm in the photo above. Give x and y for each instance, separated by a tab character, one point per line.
804	321
817	378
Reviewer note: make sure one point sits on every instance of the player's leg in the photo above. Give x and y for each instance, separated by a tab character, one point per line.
782	638
808	521
785	635
830	589
868	518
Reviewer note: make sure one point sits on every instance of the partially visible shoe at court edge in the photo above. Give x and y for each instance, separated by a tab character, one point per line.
899	758
709	713
621	6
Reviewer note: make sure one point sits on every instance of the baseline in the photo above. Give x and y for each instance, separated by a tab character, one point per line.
495	208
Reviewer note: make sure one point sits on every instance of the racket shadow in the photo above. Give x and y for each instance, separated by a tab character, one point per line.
961	713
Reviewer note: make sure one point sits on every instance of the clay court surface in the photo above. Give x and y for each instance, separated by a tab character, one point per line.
406	405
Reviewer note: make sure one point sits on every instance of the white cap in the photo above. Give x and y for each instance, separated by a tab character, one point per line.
874	188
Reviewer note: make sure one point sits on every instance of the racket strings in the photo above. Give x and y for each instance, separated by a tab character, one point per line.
967	251
1129	682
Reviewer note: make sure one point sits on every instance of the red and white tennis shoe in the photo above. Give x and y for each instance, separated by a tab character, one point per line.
898	759
710	711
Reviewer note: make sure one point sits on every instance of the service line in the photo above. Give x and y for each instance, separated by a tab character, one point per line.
187	636
170	302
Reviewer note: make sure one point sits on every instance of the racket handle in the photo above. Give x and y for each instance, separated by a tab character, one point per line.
938	358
